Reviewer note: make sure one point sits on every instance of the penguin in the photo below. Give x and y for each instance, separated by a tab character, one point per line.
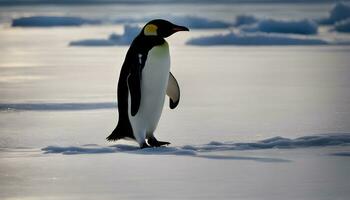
144	80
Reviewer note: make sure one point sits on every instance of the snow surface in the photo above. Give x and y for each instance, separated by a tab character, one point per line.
51	21
243	38
130	32
192	150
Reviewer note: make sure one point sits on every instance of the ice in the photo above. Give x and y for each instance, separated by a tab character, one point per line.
339	12
242	38
305	26
51	21
55	106
130	32
343	26
93	42
341	154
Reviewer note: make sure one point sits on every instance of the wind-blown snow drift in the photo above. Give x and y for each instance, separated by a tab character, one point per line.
277	142
51	21
339	12
193	150
130	32
254	39
305	26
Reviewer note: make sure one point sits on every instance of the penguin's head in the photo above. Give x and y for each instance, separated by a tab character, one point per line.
161	28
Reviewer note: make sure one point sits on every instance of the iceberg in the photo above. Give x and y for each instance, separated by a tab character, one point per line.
242	38
52	21
305	26
343	26
339	12
130	32
193	22
245	20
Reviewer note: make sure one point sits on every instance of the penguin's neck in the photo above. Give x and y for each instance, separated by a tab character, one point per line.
148	42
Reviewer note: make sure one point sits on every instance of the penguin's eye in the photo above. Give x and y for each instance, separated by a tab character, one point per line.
150	29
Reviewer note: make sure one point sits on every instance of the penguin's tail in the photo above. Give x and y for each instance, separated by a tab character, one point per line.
123	130
114	135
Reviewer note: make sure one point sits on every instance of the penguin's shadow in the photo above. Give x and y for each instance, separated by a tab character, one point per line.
176	151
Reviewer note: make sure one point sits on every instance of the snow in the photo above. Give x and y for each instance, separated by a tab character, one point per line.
305	26
130	32
51	21
93	149
242	38
193	150
343	26
339	12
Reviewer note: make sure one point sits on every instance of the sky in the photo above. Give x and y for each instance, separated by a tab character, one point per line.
21	2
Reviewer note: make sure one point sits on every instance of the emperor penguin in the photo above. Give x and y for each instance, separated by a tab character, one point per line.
144	80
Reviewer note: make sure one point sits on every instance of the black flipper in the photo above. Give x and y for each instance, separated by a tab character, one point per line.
134	85
173	91
123	130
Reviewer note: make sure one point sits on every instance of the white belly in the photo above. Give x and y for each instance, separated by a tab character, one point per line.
155	75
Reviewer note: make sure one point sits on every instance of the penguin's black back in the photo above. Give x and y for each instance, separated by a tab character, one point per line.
130	80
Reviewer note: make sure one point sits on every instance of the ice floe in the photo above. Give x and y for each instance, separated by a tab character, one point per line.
305	26
343	26
130	32
51	21
339	12
242	38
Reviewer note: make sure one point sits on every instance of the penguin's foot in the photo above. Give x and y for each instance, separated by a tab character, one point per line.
153	142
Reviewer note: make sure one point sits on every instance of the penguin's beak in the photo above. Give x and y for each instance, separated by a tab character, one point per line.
177	28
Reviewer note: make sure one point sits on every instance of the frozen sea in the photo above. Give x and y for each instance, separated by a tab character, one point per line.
254	122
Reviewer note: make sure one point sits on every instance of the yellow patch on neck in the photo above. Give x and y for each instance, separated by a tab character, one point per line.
150	29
